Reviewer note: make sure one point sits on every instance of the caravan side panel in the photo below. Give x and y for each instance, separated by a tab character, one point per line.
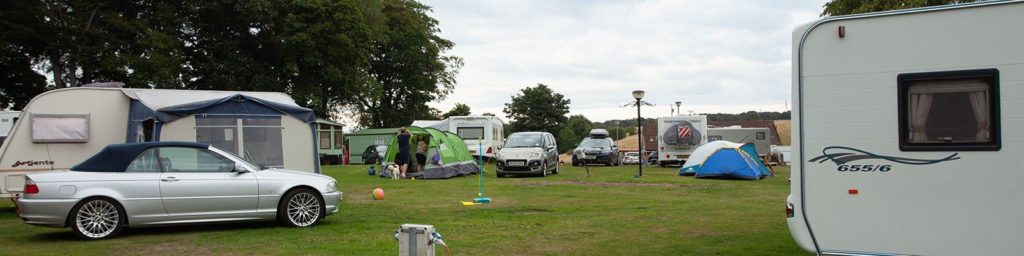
296	140
885	200
108	119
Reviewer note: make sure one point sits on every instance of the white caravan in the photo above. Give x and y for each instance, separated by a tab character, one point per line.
759	136
678	136
474	130
7	120
61	128
908	132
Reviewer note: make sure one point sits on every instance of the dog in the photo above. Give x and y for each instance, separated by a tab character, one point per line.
395	172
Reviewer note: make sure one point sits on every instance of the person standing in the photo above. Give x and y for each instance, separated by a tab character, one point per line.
402	159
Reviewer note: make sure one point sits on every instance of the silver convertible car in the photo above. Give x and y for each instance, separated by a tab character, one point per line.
170	183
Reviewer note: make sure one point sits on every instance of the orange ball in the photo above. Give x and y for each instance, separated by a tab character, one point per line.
378	194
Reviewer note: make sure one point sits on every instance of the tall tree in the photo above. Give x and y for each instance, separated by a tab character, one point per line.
845	7
537	109
459	110
408	66
18	46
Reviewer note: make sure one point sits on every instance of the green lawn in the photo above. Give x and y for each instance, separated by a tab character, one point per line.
610	213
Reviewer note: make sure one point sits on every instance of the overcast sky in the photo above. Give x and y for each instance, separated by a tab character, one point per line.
714	56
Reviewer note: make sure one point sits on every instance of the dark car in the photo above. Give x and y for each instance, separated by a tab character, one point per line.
374	154
597	148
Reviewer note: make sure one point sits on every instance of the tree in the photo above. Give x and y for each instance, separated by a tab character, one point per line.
580	127
459	110
567	139
845	7
408	66
537	109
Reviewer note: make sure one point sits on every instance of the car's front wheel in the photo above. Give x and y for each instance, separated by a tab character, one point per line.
300	208
97	218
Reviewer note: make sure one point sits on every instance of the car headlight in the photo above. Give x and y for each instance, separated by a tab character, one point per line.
332	187
536	155
498	155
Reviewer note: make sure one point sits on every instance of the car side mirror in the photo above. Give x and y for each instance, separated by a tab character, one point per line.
240	168
551	147
499	147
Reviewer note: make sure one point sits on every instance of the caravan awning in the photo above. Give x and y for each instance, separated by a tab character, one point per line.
169	105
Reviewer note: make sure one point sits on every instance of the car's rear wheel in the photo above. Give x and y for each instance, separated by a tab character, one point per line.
97	218
300	208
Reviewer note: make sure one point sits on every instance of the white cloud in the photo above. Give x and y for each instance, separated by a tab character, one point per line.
714	56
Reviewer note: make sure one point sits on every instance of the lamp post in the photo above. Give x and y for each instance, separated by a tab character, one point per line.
679	110
639	94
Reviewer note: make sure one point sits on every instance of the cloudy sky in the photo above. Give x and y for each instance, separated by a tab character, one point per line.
714	56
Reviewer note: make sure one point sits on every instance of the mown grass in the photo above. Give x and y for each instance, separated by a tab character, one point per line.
610	213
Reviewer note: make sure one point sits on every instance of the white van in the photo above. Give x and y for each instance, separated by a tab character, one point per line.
907	132
759	136
488	130
678	136
7	120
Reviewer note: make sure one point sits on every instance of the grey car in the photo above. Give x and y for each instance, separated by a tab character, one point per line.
171	183
532	153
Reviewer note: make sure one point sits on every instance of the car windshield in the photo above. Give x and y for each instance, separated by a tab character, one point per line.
237	159
595	143
524	141
633	154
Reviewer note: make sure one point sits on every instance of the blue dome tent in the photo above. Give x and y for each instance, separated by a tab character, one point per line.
723	159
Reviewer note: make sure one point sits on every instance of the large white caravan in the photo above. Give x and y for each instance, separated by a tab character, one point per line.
479	132
759	136
7	120
678	136
60	128
908	132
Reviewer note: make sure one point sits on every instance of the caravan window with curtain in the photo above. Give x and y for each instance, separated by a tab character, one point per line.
949	111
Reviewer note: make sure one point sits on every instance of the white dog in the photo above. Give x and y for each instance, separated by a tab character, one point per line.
395	172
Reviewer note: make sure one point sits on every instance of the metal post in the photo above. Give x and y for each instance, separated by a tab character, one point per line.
640	140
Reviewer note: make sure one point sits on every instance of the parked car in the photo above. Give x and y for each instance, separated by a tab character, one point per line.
597	148
631	158
164	183
374	154
533	153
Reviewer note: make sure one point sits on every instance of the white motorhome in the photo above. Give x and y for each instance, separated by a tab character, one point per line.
489	130
907	134
678	136
759	136
61	128
7	120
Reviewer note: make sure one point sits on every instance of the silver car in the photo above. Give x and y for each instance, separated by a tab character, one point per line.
534	153
170	183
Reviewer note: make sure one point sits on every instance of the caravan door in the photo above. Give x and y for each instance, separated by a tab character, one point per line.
199	182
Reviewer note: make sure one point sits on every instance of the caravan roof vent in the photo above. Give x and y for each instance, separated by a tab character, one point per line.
105	85
598	133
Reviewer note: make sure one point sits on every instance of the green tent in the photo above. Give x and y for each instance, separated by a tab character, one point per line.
447	155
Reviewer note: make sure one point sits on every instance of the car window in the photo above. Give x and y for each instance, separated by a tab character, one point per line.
177	159
524	141
595	143
145	162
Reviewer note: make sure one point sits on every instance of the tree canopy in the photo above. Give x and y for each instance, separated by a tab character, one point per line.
383	58
537	109
459	110
846	7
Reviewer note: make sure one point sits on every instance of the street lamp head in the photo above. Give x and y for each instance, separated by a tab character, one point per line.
638	94
678	103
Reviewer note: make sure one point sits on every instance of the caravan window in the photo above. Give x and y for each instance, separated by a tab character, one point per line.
949	111
471	133
760	136
339	140
325	140
53	128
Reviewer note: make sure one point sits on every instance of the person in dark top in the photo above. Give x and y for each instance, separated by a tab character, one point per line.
402	159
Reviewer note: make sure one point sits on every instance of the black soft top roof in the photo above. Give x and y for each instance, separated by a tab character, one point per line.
116	157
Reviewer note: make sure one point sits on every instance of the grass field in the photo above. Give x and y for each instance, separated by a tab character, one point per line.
610	213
